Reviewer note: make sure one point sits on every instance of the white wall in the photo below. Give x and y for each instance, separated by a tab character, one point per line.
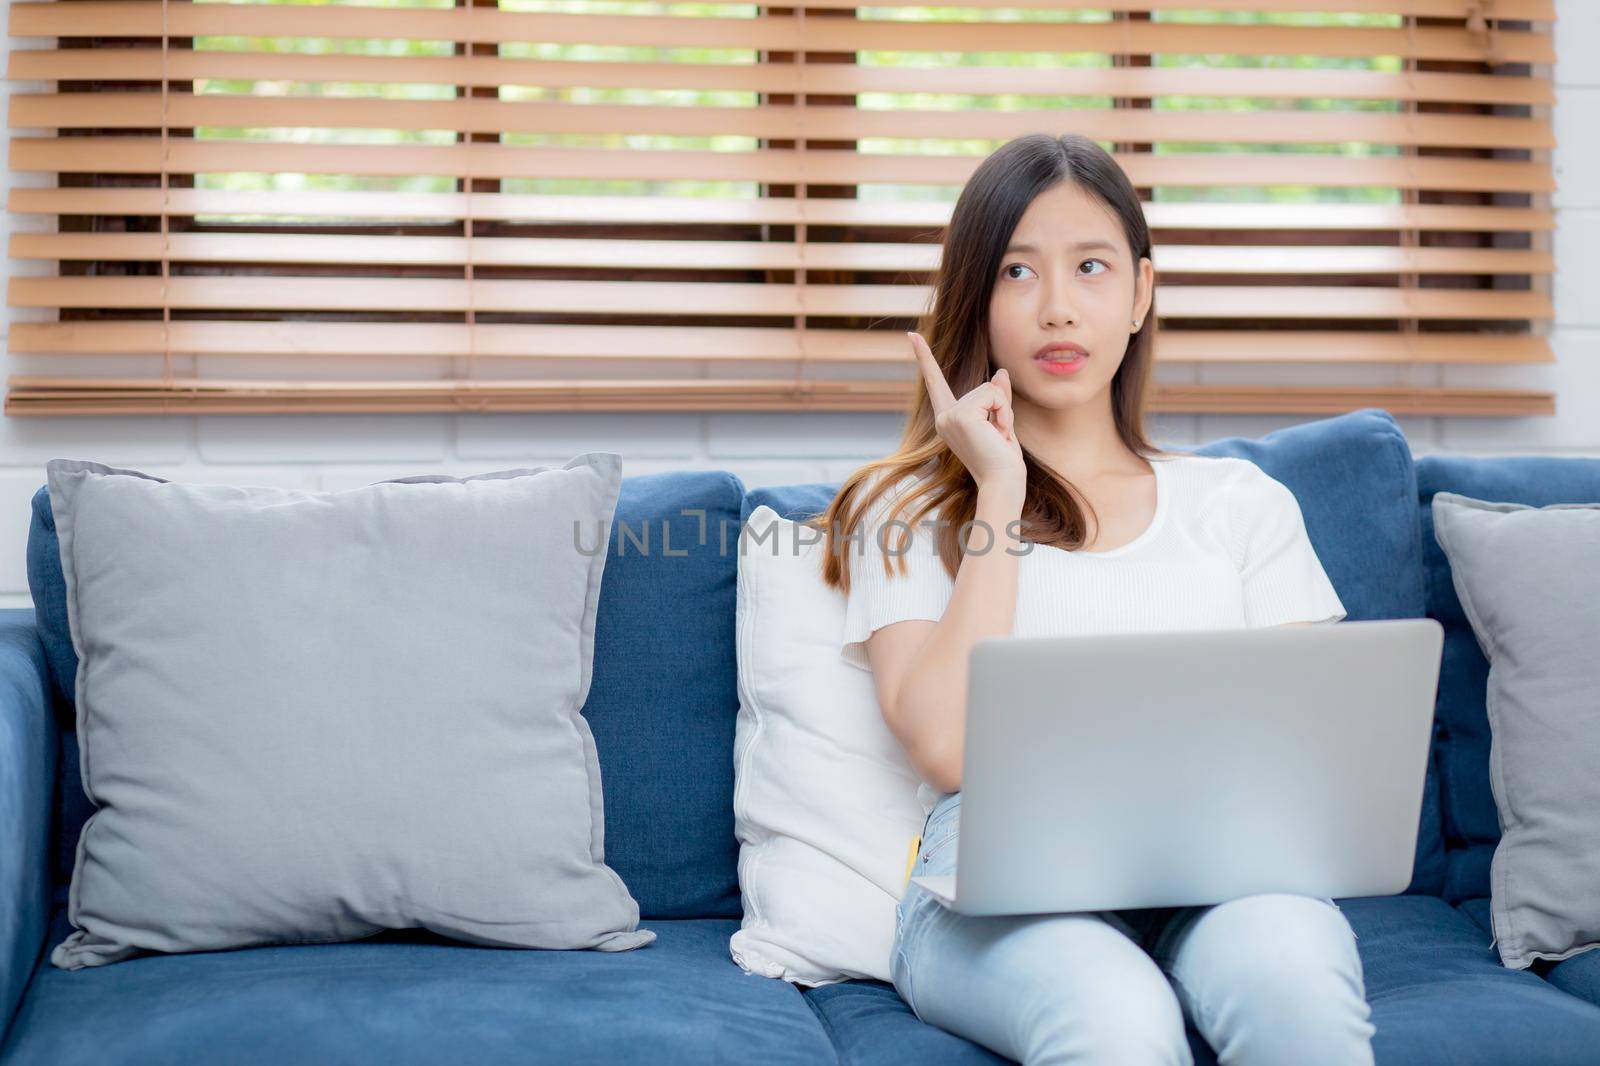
340	451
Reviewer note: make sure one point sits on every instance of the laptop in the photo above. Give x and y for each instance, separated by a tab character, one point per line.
1120	771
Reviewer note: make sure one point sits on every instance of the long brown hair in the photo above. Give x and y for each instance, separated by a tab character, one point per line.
957	331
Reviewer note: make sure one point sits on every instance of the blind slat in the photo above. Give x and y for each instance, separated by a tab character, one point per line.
142	18
732	255
710	297
818	79
1509	9
774	210
720	343
139	110
30	395
135	155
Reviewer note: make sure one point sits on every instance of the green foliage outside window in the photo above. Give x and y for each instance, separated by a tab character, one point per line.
869	101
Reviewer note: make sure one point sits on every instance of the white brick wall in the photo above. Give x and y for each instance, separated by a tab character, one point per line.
342	451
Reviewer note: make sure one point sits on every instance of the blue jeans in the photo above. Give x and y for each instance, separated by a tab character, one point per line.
1269	978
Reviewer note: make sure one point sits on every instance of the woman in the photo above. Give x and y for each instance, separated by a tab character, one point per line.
1051	514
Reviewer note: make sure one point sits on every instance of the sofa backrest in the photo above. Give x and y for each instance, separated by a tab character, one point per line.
1471	820
664	698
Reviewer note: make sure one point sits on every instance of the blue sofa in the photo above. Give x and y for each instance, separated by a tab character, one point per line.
662	709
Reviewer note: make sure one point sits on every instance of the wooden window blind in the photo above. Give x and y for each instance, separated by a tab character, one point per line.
521	206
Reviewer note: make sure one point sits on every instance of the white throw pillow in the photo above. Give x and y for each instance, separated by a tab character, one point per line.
825	802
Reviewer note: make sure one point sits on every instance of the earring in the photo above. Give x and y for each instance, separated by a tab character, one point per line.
1136	325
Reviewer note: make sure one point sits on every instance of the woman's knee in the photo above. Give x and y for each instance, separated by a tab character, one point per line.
1277	941
1130	1014
1054	988
1276	970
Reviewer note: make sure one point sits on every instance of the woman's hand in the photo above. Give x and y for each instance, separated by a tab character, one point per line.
978	427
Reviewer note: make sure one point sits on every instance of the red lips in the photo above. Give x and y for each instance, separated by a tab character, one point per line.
1067	348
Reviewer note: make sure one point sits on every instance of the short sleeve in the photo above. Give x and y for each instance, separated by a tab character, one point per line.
877	599
1282	577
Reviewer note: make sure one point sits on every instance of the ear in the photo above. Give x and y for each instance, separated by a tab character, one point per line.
1144	289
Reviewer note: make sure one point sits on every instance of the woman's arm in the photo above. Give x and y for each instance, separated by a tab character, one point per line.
920	667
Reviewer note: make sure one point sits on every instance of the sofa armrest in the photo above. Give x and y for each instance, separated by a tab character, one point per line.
28	742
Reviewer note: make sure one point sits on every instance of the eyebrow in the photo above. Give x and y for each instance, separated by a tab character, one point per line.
1079	247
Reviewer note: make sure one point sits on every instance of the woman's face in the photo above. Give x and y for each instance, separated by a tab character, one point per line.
1067	275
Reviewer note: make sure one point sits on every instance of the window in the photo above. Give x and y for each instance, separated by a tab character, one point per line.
420	205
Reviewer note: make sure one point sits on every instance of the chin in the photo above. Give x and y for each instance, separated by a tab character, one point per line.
1059	395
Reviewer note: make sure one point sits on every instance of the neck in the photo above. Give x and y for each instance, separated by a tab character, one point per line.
1080	442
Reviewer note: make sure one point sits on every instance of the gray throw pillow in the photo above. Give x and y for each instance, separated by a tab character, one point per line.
1529	581
313	716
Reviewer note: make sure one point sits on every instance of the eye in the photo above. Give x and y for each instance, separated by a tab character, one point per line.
1100	261
1010	266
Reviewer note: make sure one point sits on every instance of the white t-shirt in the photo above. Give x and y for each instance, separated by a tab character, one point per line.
1227	549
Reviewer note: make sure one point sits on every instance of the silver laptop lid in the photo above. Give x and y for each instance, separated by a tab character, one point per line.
1192	767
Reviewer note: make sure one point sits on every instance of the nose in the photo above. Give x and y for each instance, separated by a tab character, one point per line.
1057	308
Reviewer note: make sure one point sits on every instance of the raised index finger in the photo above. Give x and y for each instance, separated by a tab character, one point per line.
938	388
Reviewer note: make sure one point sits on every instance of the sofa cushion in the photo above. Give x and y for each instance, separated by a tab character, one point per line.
1354	480
1438	995
1470	819
271	760
1526	580
663	698
49	587
1578	976
407	996
28	742
1477	909
872	1026
825	801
